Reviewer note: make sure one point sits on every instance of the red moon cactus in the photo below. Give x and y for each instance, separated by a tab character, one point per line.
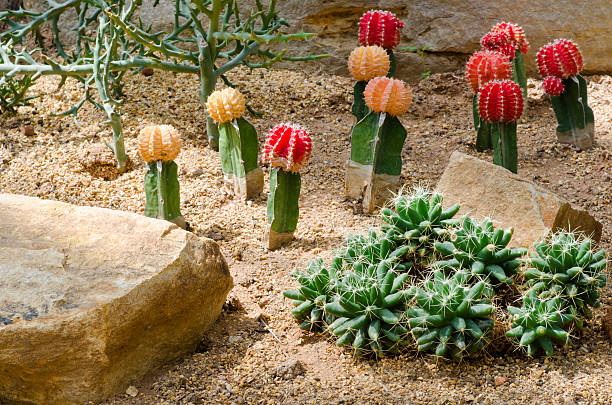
553	85
484	66
500	101
506	38
287	147
560	58
379	27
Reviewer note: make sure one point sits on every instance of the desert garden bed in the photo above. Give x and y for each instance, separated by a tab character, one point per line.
238	360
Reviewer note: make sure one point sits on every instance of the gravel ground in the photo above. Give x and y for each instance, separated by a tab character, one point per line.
238	361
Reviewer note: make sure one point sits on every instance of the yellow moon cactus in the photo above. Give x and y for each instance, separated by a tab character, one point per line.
391	96
159	142
225	105
367	62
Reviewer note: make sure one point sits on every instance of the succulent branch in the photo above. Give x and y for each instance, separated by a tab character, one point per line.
123	43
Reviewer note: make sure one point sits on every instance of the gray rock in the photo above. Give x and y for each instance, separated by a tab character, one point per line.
290	369
93	299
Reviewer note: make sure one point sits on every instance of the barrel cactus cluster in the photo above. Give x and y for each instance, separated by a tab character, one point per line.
431	282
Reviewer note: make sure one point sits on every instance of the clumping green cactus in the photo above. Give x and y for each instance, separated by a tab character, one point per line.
159	145
450	317
372	248
238	145
566	265
369	307
482	250
375	164
287	150
317	288
539	322
419	221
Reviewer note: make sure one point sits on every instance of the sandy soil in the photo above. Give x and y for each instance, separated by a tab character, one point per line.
237	360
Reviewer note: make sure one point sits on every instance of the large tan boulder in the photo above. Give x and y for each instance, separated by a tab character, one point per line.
485	190
450	29
92	299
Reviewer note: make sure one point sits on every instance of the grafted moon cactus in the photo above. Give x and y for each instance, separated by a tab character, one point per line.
238	145
382	28
287	150
159	145
500	102
482	67
365	63
553	85
510	40
377	140
562	60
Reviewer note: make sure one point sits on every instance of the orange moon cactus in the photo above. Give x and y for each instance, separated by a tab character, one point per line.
159	142
391	96
225	105
367	62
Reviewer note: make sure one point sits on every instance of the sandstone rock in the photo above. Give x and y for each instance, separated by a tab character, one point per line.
93	299
607	322
289	369
486	190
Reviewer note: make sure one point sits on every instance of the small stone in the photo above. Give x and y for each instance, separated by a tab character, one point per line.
289	369
147	71
28	130
499	380
132	391
234	339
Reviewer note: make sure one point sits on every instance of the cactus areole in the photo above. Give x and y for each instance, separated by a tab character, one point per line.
287	150
159	145
500	102
365	63
377	140
482	67
238	144
560	63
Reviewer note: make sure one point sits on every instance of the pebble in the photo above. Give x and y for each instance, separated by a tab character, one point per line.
132	391
289	369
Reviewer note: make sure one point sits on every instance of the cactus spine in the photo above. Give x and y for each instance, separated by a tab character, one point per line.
500	102
238	146
159	145
377	140
482	67
287	150
562	59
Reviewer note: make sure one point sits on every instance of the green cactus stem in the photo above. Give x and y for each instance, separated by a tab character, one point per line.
418	221
574	116
565	265
317	288
392	63
369	308
238	149
359	107
505	153
283	209
162	191
374	168
482	250
482	127
450	317
538	323
519	75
